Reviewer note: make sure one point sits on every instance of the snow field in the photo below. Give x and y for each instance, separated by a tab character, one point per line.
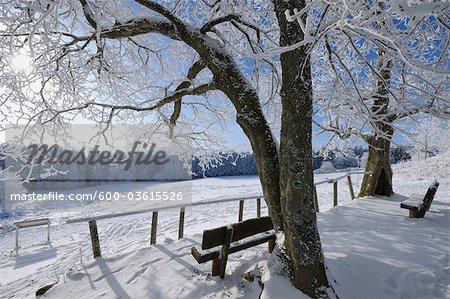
372	249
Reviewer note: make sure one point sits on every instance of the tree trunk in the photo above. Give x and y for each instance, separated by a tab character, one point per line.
287	181
378	179
302	238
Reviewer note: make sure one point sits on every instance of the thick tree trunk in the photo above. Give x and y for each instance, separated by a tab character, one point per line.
302	238
289	190
378	177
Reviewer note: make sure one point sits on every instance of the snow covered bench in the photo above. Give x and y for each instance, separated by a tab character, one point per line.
418	205
231	239
31	223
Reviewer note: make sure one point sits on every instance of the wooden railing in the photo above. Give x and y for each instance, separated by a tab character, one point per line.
92	220
335	187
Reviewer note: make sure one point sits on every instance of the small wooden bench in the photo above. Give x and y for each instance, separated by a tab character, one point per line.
418	205
255	231
32	223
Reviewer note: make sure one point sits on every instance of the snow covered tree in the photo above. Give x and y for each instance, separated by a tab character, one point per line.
428	134
174	62
383	62
199	62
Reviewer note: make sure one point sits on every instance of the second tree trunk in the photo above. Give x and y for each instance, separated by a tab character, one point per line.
378	177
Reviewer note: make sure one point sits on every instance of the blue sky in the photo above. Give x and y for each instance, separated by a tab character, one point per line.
236	139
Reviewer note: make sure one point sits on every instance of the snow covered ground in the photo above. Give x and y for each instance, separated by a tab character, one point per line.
372	249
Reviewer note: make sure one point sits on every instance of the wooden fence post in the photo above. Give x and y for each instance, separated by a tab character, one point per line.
154	227
258	207
94	238
241	210
181	223
335	194
350	187
316	200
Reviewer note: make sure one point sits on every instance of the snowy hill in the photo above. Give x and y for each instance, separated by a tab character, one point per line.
433	168
372	249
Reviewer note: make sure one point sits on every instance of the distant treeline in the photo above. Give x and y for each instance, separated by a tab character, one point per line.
235	164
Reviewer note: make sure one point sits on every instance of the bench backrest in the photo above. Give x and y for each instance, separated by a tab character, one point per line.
429	196
241	230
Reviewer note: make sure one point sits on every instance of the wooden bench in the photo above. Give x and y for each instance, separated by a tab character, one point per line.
418	205
32	223
255	231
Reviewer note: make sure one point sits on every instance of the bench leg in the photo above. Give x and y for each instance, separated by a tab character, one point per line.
223	258
421	213
271	245
413	213
223	265
17	237
215	267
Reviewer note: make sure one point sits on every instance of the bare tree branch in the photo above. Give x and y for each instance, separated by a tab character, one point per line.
229	18
196	68
201	89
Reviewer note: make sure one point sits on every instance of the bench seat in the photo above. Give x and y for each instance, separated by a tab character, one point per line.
413	202
418	205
